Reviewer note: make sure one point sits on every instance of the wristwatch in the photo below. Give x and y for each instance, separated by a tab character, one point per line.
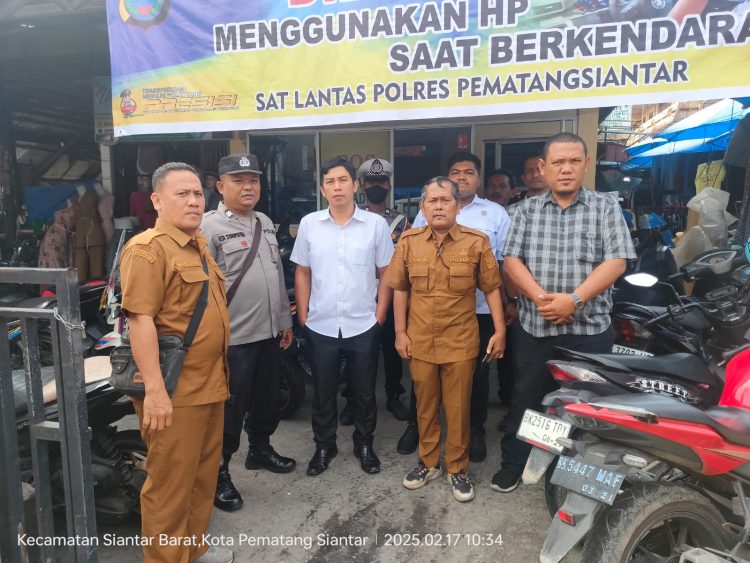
579	303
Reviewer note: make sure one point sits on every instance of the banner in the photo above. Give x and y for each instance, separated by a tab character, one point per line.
271	64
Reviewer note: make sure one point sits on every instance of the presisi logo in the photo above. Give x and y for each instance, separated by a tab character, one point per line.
143	13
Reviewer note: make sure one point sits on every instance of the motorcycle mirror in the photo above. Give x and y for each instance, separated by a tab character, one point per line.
641	279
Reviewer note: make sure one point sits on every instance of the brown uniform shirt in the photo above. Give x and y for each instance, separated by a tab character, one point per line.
442	282
162	277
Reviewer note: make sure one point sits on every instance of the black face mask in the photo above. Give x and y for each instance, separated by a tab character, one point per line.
376	194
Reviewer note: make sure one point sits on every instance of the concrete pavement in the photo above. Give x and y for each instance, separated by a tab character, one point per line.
347	515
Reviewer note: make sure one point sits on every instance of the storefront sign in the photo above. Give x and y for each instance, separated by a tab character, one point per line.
216	65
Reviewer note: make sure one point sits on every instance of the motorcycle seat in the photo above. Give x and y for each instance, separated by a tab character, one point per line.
688	366
735	421
96	369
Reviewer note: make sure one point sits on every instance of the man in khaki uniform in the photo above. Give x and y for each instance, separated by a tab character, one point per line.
162	278
435	272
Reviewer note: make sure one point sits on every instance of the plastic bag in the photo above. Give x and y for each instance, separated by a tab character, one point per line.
710	205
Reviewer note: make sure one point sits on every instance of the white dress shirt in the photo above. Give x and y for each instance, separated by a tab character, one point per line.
488	217
343	261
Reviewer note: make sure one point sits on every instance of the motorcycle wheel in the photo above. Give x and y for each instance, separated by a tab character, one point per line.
554	495
650	522
292	379
134	453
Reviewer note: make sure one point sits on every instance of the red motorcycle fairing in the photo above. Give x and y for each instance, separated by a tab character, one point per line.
718	455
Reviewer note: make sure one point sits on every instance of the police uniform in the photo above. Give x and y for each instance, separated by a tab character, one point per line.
443	329
374	169
162	277
259	312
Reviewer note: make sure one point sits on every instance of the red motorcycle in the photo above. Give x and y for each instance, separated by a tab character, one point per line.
655	479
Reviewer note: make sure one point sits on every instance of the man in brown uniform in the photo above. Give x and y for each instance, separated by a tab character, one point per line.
162	278
435	272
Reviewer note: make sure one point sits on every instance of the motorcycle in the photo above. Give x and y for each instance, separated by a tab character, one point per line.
648	330
95	340
655	479
294	367
118	457
696	379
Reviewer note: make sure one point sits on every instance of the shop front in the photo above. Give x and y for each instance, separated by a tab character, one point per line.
417	150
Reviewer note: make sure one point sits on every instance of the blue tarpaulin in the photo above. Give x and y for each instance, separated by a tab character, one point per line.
43	201
708	130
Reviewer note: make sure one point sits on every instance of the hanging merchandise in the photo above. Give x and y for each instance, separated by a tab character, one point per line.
710	205
709	175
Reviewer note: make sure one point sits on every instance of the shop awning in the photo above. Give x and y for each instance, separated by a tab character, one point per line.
705	131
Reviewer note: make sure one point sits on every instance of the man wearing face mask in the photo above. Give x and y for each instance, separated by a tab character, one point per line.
375	178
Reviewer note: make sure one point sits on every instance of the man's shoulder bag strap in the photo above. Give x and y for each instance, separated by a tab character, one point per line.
195	320
248	261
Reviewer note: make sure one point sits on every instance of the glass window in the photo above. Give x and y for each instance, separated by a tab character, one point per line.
420	154
289	180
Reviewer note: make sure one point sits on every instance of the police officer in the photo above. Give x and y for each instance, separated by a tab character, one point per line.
162	278
435	272
261	324
375	178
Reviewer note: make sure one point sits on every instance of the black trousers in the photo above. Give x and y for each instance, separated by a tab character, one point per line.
325	355
505	368
253	394
392	364
534	381
480	389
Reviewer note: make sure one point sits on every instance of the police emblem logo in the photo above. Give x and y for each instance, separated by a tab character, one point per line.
376	168
244	162
143	13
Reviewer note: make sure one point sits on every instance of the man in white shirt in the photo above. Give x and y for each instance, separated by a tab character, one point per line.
340	252
464	168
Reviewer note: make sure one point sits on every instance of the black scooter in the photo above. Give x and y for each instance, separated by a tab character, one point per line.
118	457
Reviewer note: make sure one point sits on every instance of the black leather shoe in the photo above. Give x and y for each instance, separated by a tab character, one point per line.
320	460
227	497
346	418
367	458
397	408
267	458
477	447
408	443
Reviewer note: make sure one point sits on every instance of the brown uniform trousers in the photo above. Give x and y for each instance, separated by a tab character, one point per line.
442	326
162	277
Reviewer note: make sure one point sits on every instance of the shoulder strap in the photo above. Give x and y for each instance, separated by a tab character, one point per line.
248	261
198	313
397	221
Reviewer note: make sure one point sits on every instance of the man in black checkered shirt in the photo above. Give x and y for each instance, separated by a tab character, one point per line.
564	252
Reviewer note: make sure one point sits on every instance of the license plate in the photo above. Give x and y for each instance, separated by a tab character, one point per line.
620	349
587	479
543	431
